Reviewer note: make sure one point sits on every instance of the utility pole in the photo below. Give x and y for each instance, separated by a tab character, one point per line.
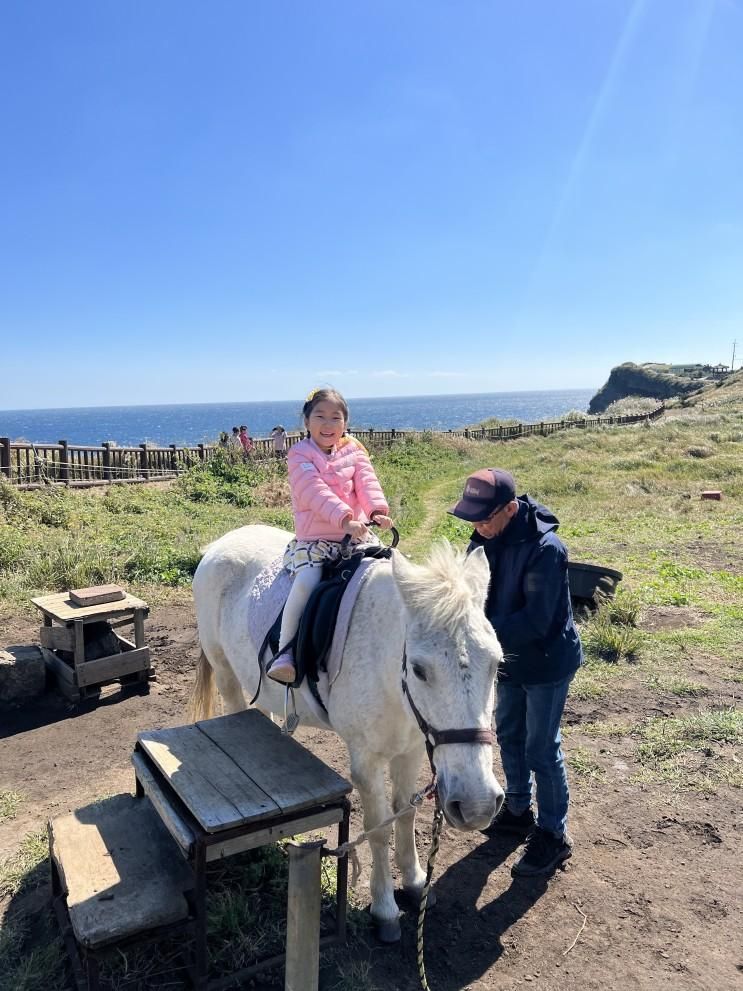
732	363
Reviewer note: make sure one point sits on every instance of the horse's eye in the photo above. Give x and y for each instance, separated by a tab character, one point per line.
419	672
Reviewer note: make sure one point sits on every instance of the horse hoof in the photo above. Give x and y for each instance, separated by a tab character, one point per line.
412	896
388	931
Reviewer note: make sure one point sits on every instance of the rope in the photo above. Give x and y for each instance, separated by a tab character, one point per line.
349	848
438	822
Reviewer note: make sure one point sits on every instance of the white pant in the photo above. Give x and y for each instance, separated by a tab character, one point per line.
303	583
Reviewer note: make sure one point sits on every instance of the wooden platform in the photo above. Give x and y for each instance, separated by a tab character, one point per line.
235	783
119	871
64	634
60	607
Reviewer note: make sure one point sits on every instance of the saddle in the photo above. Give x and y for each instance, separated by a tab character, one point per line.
314	639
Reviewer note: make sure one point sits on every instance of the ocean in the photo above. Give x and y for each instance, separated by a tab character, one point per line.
189	424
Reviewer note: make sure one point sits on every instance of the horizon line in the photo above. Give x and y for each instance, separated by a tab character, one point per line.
256	402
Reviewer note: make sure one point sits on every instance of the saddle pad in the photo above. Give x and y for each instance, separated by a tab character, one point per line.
269	593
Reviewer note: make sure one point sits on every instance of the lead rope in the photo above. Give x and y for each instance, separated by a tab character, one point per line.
438	822
349	848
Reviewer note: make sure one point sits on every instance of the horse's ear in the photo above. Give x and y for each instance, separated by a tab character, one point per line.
405	573
477	570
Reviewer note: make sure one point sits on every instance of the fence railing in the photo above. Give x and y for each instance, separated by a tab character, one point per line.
33	465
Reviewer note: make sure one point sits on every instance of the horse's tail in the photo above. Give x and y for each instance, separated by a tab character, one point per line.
204	698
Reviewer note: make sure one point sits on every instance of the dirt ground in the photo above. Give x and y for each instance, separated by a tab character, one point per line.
651	899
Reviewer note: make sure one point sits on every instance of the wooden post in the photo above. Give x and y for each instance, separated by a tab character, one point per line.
64	462
139	627
5	457
78	626
202	454
303	917
107	460
174	458
143	460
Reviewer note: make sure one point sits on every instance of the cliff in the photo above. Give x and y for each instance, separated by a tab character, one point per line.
644	380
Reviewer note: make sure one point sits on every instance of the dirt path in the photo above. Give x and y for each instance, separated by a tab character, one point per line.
420	539
652	893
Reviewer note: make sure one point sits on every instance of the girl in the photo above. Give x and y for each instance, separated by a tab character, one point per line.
335	492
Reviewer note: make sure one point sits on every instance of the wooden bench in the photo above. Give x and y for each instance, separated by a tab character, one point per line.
235	783
117	877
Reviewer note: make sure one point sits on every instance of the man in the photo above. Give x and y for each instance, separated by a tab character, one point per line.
529	607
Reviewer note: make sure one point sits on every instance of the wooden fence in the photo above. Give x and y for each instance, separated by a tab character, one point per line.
34	465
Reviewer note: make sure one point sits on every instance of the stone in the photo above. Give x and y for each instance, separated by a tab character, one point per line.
22	673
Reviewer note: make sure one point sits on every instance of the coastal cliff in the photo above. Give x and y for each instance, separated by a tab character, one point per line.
651	381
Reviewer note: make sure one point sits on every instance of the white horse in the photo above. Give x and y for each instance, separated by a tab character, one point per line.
433	615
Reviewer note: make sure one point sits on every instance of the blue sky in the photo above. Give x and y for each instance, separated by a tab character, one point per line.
241	200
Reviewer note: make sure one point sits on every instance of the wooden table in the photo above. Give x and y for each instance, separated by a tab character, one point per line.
64	630
235	783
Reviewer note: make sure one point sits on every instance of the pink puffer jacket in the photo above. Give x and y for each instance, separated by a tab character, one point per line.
327	489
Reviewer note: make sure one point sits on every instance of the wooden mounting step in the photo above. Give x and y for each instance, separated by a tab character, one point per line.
121	872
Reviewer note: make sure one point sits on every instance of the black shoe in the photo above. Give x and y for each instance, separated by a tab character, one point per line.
544	852
507	822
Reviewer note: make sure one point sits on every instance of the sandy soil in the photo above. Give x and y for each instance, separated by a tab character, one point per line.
652	893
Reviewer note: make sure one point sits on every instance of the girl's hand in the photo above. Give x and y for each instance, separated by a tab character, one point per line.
356	530
385	522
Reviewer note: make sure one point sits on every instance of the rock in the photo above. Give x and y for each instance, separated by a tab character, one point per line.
22	673
642	380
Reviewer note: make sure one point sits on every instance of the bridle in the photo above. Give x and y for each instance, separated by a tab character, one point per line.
438	737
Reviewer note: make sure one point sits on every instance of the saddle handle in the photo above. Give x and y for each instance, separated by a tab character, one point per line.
346	542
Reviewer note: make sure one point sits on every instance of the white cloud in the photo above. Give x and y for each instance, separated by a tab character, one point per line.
389	373
336	372
447	375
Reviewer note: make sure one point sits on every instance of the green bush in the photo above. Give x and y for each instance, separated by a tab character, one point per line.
12	548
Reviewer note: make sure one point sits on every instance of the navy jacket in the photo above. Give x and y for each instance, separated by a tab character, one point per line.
529	598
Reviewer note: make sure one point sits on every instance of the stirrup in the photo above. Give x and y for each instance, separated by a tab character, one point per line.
291	719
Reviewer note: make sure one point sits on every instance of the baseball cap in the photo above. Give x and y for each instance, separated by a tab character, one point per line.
485	491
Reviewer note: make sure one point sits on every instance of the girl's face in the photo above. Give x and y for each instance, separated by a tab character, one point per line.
326	424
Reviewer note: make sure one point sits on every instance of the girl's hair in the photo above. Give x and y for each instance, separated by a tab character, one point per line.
321	396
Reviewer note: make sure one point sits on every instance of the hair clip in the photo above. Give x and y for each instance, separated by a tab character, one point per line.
311	395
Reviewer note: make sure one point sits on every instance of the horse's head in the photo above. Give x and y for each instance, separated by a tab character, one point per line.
452	654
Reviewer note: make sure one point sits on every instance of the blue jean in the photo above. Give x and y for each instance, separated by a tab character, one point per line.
527	726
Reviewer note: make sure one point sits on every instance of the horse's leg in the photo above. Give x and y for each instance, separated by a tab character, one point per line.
367	774
404	773
227	683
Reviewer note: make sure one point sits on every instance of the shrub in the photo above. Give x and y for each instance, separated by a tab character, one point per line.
699	452
11	502
72	563
50	507
610	641
11	548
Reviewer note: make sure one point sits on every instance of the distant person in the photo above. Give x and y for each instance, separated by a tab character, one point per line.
235	438
224	440
335	492
529	607
279	438
246	440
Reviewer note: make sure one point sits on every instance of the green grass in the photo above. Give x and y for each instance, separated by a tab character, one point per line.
673	685
10	802
28	867
584	764
596	679
692	752
31	968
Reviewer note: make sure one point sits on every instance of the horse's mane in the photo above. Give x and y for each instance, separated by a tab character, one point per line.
441	589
